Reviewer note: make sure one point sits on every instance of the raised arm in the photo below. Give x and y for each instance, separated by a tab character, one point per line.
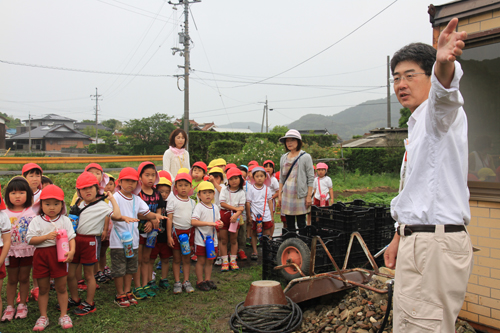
450	46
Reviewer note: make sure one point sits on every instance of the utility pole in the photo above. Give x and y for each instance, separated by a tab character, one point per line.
265	115
388	92
185	39
96	96
29	124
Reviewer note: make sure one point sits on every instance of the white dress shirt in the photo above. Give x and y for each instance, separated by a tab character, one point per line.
434	180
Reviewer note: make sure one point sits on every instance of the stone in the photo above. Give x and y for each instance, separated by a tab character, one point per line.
383	308
344	314
373	320
328	329
369	314
361	331
340	328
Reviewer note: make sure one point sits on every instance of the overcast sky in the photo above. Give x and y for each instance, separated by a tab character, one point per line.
237	44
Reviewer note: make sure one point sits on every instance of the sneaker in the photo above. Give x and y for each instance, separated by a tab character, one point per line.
71	303
149	291
131	299
164	284
234	265
81	285
242	255
187	287
225	267
249	242
194	257
218	261
122	301
158	267
153	285
177	288
100	277
107	270
85	308
211	284
65	322
254	256
41	323
34	293
202	286
8	314
139	293
22	311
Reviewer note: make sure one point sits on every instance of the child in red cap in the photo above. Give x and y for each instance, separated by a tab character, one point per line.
148	178
42	233
179	209
4	242
131	205
92	224
323	187
33	174
197	172
274	187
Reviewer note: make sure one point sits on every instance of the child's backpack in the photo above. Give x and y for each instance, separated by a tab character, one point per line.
75	211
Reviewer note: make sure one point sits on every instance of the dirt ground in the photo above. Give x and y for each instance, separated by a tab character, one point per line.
380	189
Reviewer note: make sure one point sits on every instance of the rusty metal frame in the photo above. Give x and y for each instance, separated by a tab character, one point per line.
350	278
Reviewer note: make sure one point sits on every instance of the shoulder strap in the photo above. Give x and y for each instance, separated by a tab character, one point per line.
265	201
290	170
319	187
91	204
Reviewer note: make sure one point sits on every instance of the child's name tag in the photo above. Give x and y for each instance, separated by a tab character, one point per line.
92	243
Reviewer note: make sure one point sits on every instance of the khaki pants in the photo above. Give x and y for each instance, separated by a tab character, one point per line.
432	271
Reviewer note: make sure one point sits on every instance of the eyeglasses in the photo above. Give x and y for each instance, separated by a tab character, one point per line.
408	77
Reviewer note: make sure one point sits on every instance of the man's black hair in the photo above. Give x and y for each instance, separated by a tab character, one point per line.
422	54
148	166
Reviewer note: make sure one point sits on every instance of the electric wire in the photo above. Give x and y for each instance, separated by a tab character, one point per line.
109	4
322	51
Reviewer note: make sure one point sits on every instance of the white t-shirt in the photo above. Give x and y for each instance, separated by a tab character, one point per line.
127	209
325	186
92	219
256	197
41	226
206	214
4	225
235	199
217	195
36	196
275	185
182	210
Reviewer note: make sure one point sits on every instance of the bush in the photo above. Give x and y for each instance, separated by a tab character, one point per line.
223	147
374	160
259	150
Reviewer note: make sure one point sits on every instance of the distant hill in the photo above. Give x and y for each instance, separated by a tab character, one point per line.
255	127
353	121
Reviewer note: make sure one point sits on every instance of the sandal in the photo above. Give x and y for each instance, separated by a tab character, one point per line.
254	256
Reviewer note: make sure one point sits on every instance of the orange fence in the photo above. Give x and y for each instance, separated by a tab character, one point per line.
72	160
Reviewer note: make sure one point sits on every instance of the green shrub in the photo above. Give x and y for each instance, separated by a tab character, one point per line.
374	160
224	147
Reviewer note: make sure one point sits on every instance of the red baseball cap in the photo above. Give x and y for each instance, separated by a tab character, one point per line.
229	166
52	192
30	166
199	164
2	202
321	165
94	165
253	163
144	164
166	174
86	179
129	173
233	172
268	161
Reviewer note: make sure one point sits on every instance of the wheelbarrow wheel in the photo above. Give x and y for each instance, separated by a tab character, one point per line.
293	250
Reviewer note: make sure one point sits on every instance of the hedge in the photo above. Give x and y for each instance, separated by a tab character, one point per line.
374	160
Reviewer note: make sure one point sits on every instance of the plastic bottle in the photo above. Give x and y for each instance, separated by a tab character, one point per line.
128	244
322	200
184	241
73	216
240	221
62	244
259	226
233	227
151	240
210	247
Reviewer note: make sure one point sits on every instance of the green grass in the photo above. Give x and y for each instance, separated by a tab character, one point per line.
359	181
196	312
70	166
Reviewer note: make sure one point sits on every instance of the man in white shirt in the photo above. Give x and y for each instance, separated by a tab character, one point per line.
431	250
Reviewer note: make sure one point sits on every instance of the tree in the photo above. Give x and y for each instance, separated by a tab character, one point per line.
114	124
405	115
148	132
279	129
13	122
88	121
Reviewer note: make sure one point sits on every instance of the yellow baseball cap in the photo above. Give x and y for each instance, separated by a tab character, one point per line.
204	186
216	169
164	181
183	170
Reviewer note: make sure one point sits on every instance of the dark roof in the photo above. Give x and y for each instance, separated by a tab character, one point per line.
54	132
462	8
51	116
82	126
316	131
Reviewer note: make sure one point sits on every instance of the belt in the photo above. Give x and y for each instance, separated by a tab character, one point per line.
411	228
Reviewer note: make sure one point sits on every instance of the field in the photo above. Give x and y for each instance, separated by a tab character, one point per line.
200	311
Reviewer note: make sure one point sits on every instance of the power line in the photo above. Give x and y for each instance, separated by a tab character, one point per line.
81	70
131	10
317	54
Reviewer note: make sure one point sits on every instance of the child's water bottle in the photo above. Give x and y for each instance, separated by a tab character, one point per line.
73	216
184	241
322	200
128	244
240	221
62	245
210	248
233	227
259	225
151	240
